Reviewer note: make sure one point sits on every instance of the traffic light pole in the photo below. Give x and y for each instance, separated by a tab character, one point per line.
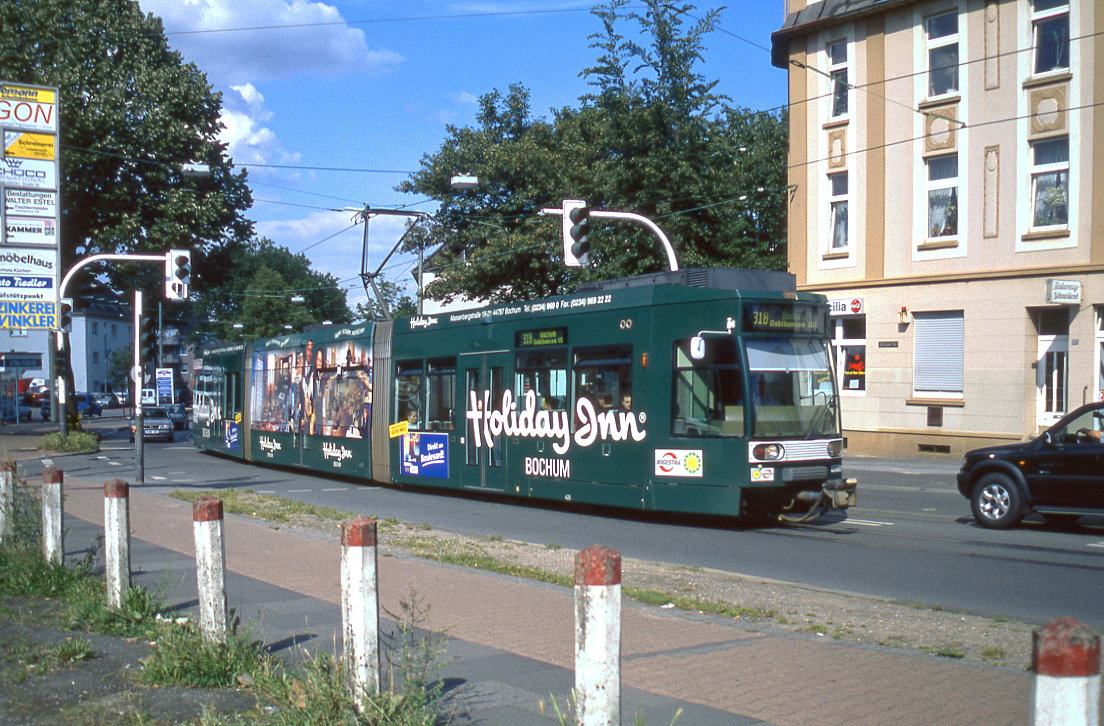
178	262
601	214
136	373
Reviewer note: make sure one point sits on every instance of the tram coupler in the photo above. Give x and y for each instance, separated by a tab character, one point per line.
833	495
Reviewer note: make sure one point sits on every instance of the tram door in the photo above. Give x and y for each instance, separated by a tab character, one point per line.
483	377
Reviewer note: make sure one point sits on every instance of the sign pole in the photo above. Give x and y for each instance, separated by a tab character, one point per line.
139	431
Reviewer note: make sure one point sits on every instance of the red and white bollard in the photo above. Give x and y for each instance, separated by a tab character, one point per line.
53	516
210	568
360	607
116	540
1065	657
7	500
598	637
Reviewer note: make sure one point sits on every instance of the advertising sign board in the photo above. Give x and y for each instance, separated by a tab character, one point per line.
30	173
28	275
28	145
165	385
30	202
28	107
30	230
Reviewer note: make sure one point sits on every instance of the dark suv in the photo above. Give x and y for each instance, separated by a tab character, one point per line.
1059	474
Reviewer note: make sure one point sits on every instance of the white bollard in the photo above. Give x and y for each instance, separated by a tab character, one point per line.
210	568
53	516
360	607
1065	658
116	540
7	500
598	637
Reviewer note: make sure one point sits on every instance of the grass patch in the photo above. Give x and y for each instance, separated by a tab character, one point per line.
183	657
266	506
709	607
951	650
77	442
28	658
993	654
453	552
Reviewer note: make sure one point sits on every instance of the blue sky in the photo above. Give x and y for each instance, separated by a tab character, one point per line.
372	84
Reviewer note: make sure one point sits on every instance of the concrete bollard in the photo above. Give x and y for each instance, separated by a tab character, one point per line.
598	637
1065	657
360	607
116	540
53	516
7	500
210	568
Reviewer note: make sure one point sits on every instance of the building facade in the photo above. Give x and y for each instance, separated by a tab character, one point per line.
943	173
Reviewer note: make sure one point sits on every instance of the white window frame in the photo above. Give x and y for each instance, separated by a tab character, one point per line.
839	201
939	340
1038	18
836	68
1040	170
937	43
841	345
939	185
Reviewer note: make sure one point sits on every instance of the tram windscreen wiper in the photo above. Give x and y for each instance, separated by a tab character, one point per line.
817	420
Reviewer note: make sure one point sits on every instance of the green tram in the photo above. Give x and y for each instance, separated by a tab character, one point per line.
699	391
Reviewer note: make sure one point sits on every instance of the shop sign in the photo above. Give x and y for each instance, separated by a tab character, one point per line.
1063	292
847	306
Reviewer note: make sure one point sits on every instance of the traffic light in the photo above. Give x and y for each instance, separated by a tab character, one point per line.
147	342
65	314
178	274
576	227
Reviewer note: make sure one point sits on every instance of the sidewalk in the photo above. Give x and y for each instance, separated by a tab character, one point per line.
511	640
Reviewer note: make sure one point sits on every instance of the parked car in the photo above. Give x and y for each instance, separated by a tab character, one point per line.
107	400
156	424
1059	474
178	415
87	405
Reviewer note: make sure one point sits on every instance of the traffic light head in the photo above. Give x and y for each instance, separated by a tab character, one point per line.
65	314
178	274
147	340
576	229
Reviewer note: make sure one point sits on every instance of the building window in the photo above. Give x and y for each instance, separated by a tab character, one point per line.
849	341
938	355
95	328
1050	34
18	332
838	207
837	71
95	357
942	40
1050	182
942	195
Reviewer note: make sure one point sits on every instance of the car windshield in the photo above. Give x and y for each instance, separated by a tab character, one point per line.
155	412
1085	426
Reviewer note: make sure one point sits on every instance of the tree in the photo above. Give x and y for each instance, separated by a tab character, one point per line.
132	112
652	138
248	268
119	365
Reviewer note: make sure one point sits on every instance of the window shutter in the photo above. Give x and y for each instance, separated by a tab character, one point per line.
938	358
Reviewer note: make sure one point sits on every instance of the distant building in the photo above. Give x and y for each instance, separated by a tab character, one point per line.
99	329
945	170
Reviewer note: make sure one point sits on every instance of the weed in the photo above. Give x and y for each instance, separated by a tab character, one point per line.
951	650
993	654
266	506
710	607
566	717
553	546
815	628
28	658
183	657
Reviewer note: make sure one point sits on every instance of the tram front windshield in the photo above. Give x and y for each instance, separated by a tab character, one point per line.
792	391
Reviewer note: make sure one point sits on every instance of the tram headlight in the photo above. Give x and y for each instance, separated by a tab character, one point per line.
768	452
835	448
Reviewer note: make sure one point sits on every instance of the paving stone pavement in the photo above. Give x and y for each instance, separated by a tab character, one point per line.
511	641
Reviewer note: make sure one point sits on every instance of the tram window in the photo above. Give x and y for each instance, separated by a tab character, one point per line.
408	392
441	393
545	373
604	376
708	393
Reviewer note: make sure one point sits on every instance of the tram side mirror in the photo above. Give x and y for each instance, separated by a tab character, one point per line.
697	347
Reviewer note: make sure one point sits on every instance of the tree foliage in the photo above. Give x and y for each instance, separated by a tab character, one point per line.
652	137
259	295
132	112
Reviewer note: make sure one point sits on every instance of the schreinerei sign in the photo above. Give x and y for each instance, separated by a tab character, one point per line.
29	145
1063	292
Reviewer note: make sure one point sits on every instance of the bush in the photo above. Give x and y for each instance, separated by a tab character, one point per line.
77	442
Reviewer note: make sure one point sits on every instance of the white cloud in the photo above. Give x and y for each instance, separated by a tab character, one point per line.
248	140
310	38
466	98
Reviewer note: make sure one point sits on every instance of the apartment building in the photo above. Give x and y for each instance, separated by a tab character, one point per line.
944	173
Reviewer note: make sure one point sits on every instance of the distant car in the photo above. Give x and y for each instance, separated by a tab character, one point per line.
156	424
1059	474
107	400
87	405
177	414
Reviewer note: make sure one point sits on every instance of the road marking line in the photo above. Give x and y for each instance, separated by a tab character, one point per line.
266	491
115	463
299	491
1097	544
868	522
928	509
336	489
159	478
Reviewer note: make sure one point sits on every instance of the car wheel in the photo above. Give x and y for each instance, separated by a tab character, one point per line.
996	502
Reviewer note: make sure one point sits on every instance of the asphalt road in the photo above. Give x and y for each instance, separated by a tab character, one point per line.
911	537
